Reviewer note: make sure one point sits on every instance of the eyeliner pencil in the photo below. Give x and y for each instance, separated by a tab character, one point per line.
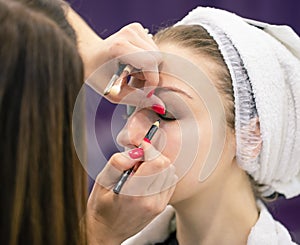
151	132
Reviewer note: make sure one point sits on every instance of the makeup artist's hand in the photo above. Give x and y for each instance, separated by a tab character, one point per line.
113	218
131	45
133	38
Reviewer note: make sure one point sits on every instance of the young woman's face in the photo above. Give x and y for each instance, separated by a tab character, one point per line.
186	130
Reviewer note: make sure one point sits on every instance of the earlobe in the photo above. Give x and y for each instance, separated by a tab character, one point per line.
231	139
250	141
257	140
252	138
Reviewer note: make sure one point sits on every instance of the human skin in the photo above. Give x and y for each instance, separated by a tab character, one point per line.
113	218
131	39
221	209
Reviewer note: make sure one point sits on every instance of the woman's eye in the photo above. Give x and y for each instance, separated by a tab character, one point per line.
167	116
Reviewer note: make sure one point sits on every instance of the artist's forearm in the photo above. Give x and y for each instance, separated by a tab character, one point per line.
88	41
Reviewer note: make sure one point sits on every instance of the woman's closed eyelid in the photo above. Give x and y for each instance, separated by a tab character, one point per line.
167	116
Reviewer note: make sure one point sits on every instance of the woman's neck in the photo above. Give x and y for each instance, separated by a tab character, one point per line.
223	214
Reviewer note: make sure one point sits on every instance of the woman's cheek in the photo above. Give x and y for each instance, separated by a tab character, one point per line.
169	140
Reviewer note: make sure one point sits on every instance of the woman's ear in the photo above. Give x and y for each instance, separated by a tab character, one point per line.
250	140
231	140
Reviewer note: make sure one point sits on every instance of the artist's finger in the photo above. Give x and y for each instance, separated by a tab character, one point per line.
143	34
138	80
136	97
146	62
134	30
139	57
133	54
139	76
138	36
154	175
117	164
133	46
142	40
141	184
127	159
150	152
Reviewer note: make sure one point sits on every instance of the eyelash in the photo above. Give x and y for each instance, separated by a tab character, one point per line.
164	117
131	109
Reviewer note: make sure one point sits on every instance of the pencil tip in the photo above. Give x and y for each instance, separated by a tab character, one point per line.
157	123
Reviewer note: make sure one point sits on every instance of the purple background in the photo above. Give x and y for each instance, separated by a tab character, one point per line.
107	17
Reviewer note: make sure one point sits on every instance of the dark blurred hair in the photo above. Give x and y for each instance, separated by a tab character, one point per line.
55	10
43	185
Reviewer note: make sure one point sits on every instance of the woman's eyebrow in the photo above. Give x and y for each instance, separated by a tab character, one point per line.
177	90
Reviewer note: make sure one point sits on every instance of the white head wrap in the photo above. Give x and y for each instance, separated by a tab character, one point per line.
264	64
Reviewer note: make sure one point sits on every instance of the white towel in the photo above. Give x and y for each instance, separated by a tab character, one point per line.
272	59
268	231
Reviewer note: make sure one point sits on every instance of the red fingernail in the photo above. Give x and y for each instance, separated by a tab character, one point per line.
158	109
150	93
136	153
147	140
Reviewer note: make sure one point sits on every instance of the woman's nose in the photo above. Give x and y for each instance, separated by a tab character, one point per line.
135	129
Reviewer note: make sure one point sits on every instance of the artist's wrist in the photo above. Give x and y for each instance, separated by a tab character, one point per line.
89	43
98	233
93	54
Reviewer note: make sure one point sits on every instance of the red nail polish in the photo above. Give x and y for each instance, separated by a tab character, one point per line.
147	140
150	93
136	153
158	109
